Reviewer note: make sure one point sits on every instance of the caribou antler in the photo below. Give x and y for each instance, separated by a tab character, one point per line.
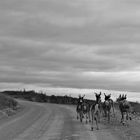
95	93
83	95
120	96
125	96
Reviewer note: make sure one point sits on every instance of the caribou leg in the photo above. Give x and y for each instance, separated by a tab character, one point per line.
92	119
108	116
89	117
96	120
77	116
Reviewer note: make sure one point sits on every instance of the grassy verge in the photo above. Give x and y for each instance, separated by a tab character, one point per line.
8	105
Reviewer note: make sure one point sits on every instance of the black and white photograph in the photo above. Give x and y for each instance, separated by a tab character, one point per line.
69	69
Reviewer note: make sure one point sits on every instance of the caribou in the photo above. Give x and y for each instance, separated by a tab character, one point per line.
83	109
79	108
107	105
86	111
125	108
95	111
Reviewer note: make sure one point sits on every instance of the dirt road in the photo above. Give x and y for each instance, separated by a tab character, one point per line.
56	122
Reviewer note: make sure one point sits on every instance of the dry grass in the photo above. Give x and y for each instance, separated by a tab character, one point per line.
8	105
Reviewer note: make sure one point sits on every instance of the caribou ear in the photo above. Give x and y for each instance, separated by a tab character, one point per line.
104	94
100	93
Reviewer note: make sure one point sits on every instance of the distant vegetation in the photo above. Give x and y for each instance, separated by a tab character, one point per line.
136	106
40	97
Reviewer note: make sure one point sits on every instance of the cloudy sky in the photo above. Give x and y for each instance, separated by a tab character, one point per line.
70	44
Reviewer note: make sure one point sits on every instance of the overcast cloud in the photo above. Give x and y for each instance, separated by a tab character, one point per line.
70	44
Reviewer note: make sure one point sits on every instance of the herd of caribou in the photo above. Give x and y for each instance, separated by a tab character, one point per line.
93	112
